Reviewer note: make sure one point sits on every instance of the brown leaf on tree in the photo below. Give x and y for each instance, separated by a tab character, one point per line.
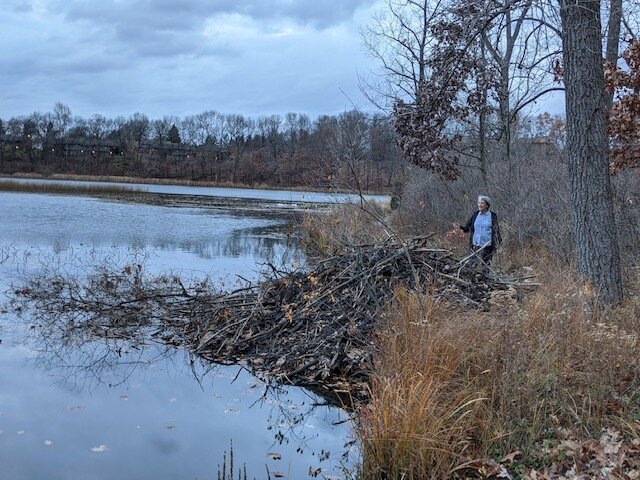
624	117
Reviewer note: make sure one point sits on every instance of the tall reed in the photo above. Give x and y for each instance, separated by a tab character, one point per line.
452	386
426	402
65	189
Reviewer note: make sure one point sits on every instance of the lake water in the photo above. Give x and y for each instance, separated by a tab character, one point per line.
105	411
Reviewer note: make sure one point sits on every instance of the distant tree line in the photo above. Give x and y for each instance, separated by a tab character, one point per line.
349	150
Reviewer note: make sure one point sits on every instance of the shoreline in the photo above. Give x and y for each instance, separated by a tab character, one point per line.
180	182
112	192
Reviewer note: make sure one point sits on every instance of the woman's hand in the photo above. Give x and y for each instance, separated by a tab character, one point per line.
457	225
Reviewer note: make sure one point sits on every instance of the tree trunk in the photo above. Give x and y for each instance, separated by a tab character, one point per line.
505	120
587	142
482	121
613	39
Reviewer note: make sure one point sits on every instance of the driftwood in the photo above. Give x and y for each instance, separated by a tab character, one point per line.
311	328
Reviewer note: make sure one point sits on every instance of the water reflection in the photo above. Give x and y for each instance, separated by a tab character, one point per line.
299	428
72	406
270	244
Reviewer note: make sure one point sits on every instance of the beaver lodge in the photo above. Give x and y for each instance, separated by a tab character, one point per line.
312	328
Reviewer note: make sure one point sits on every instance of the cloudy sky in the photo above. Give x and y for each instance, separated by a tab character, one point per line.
181	57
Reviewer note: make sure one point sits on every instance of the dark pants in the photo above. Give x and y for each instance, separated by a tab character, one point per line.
485	254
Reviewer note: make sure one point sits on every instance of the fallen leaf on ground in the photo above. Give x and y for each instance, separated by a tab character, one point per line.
511	457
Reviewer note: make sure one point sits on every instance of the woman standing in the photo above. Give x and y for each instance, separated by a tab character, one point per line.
484	231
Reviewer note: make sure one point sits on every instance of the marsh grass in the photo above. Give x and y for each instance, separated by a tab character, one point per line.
66	189
186	182
227	471
345	225
452	386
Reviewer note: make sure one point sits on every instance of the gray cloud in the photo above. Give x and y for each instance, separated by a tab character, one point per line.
190	14
163	57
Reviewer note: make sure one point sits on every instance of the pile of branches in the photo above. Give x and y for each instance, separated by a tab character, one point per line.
313	328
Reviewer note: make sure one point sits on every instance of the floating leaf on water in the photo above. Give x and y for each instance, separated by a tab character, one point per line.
232	410
124	397
274	456
173	400
314	472
278	475
20	432
48	443
170	427
100	449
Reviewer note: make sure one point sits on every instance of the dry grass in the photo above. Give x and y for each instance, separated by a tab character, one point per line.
65	189
453	386
184	182
426	400
344	225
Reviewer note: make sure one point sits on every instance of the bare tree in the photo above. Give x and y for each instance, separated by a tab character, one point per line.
399	39
45	132
520	41
62	119
137	128
269	128
161	128
239	128
98	127
349	145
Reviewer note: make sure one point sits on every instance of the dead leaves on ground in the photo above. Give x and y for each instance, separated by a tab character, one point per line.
609	457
